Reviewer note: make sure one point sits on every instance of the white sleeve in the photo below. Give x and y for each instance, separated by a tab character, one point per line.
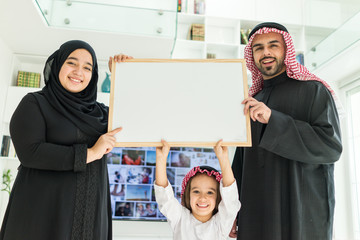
228	207
168	204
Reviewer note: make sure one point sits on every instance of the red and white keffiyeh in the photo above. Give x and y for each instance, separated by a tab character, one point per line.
293	69
196	170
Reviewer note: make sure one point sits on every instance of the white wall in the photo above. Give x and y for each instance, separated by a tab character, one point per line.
258	10
6	58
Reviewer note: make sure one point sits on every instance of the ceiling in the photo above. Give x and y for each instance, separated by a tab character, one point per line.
25	32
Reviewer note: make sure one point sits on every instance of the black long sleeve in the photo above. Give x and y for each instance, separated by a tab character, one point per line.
316	140
34	134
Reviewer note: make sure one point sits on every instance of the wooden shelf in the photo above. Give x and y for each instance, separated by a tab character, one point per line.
9	159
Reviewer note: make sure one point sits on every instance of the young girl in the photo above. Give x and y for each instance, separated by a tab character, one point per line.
209	200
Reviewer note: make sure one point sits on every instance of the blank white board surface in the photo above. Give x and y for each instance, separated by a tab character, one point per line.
185	102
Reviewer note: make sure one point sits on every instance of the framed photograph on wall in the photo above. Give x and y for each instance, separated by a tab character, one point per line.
132	192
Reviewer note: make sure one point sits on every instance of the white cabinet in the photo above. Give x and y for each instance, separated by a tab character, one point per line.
222	34
13	95
222	37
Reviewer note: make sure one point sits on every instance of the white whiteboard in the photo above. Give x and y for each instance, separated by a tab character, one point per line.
185	102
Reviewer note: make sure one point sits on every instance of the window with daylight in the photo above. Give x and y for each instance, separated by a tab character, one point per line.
353	99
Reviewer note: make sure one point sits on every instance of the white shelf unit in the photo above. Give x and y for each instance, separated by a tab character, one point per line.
222	37
222	30
184	22
10	159
189	49
223	51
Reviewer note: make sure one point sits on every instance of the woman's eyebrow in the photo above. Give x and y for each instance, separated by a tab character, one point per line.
74	58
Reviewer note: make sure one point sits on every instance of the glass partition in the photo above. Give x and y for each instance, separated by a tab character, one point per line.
335	43
156	18
331	26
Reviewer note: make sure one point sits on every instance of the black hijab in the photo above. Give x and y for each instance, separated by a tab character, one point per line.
80	108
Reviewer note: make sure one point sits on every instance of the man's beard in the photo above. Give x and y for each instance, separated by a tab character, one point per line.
271	70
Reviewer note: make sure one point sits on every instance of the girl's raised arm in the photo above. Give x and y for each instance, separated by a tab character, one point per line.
161	157
223	156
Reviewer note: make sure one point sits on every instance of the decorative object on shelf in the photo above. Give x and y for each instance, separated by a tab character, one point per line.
5	146
196	32
244	36
28	79
300	58
191	6
211	55
199	7
187	6
6	180
248	33
105	86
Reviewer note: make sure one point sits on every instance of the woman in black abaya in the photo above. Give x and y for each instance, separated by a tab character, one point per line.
61	190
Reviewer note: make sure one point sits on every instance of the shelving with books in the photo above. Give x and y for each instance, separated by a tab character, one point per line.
222	30
189	49
23	63
222	38
184	47
223	51
219	33
27	63
222	33
13	159
185	21
192	6
7	147
8	161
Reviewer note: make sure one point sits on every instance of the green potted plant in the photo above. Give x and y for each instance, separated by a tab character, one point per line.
6	181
